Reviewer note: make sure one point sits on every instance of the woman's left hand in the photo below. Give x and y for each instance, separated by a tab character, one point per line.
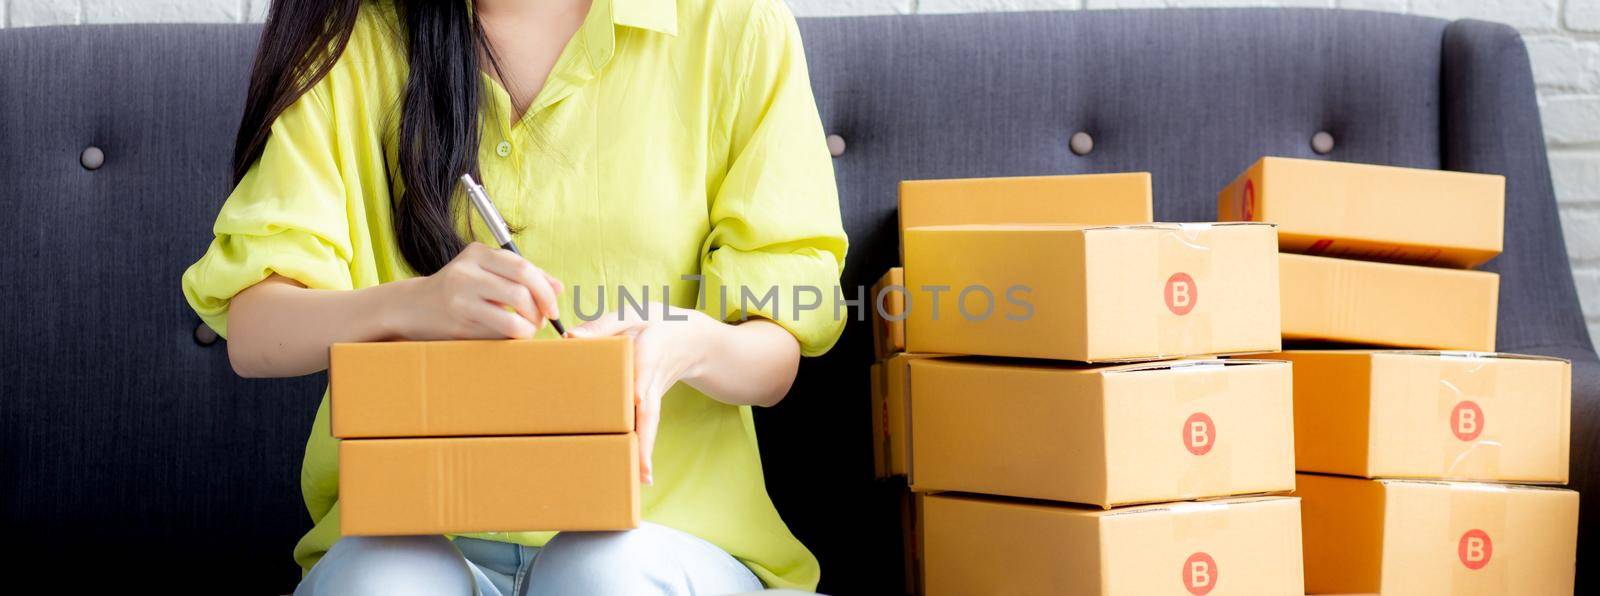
666	349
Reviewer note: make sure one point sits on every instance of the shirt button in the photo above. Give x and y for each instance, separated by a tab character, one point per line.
503	149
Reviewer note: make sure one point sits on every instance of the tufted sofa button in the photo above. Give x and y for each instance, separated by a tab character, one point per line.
835	145
1081	143
1322	142
92	158
204	336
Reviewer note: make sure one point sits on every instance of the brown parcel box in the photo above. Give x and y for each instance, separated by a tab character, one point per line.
1461	415
1102	435
1093	294
973	545
888	304
1383	304
488	484
1418	537
474	388
891	415
911	540
1098	199
1378	213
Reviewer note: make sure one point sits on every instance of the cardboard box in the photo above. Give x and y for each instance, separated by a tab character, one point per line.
1371	212
911	540
1096	199
1421	537
488	484
1102	435
888	313
891	415
974	545
1382	304
1093	294
475	388
880	423
1450	415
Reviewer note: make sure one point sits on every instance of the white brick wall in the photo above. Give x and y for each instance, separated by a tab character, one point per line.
1563	41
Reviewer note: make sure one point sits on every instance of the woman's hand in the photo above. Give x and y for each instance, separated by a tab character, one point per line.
279	328
752	363
667	348
467	298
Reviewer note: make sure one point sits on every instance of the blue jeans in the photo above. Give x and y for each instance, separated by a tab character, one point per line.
652	559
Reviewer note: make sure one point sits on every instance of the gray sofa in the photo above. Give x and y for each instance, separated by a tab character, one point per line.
130	452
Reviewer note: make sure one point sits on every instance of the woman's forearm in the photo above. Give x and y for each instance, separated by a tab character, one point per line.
278	328
752	363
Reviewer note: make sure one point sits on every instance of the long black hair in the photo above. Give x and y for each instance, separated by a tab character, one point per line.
439	113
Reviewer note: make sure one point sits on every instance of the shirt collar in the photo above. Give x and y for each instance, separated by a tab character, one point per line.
660	16
599	29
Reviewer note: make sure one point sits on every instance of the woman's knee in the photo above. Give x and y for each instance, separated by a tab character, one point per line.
652	559
401	565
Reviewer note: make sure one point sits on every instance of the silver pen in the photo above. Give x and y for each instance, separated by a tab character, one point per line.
497	226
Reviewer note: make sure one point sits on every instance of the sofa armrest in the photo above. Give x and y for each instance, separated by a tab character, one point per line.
1490	124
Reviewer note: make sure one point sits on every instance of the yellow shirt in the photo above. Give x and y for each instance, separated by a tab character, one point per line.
670	140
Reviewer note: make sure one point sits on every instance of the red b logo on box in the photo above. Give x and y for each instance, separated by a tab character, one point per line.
1199	434
1466	420
1475	549
1181	293
1199	573
1247	201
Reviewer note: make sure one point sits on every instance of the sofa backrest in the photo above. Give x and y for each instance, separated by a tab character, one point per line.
118	427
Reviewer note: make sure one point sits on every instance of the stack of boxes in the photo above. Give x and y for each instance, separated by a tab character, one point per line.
1408	444
459	437
1074	404
1379	255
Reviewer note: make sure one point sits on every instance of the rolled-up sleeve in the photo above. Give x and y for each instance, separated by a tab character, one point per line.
287	216
776	245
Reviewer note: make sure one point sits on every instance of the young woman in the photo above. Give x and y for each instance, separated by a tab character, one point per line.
632	144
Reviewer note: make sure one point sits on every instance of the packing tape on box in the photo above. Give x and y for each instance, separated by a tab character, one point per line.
1464	376
1477	520
452	466
1183	257
1199	381
1198	521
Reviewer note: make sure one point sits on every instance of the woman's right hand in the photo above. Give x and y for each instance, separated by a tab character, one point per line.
469	296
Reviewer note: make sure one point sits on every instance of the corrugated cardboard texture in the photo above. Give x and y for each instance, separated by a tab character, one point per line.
1096	199
488	484
1383	304
1097	294
1461	416
974	545
1371	212
888	313
475	388
1424	538
1102	435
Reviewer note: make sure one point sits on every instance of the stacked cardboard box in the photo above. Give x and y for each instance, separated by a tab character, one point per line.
1405	453
484	436
1074	402
1378	255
